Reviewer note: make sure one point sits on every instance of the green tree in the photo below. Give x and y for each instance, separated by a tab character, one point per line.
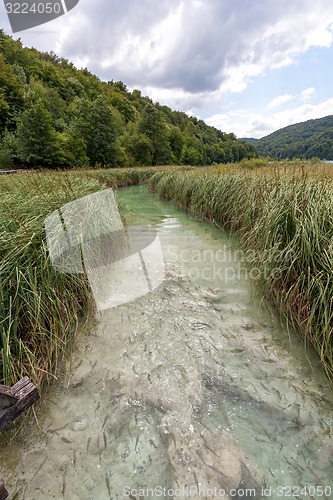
38	145
123	105
140	148
72	151
152	125
96	126
8	150
193	149
11	95
176	144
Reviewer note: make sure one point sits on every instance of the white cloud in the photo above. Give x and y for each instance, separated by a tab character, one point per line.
281	99
180	100
191	45
243	123
249	124
307	94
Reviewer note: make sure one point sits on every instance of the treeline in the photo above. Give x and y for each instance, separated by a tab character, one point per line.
309	139
53	115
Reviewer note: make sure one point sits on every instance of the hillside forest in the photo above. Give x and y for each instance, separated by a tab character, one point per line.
53	115
309	139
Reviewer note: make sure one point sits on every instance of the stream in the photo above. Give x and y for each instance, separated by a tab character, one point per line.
194	390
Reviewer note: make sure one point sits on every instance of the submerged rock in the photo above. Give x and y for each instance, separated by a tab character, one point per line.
81	372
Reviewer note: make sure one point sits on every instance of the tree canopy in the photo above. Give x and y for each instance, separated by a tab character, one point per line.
53	115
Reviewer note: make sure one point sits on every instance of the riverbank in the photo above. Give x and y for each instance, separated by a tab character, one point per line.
40	308
285	215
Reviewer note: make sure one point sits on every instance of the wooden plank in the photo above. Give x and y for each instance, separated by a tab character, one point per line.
26	394
7	398
3	492
21	385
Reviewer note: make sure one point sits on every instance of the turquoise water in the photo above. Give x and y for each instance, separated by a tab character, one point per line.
193	390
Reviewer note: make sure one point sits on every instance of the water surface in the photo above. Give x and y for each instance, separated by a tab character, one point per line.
193	390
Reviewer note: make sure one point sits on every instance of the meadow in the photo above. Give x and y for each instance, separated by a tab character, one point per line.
284	212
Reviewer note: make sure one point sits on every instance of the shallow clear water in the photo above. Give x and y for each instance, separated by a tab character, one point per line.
194	388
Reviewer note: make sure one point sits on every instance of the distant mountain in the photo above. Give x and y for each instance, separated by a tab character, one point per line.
249	140
301	140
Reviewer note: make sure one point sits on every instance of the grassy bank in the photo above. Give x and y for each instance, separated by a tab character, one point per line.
285	214
41	309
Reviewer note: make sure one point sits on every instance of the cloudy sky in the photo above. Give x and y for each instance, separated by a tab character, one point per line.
244	66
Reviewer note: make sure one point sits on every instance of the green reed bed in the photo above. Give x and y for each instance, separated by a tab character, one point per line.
40	308
122	177
286	218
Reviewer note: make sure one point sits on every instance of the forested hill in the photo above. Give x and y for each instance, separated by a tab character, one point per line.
302	140
53	115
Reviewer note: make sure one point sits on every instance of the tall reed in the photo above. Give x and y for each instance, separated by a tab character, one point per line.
285	215
40	308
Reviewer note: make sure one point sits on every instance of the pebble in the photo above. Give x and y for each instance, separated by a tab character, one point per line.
80	425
